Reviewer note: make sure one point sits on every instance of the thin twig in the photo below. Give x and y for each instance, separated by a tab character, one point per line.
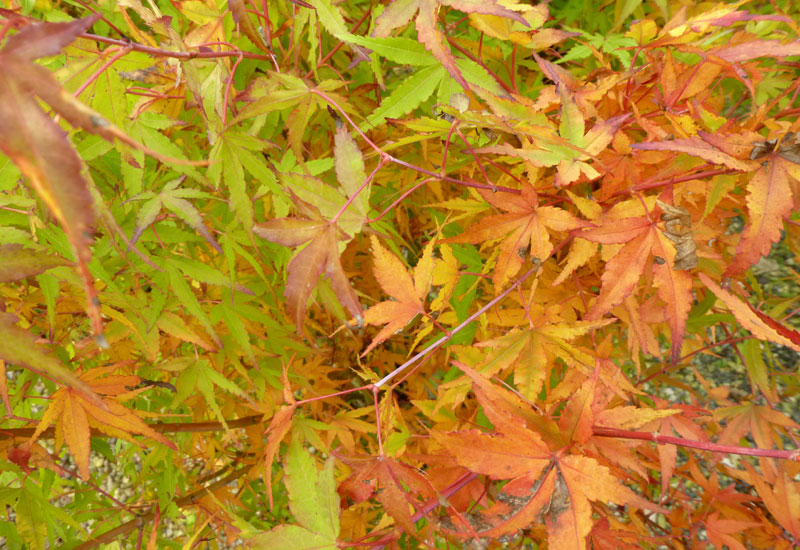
169	53
601	431
140	520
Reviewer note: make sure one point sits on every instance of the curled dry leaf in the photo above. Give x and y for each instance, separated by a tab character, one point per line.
678	229
789	148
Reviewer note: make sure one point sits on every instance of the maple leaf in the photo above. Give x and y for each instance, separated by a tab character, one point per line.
674	287
320	254
572	128
585	480
508	455
35	142
20	348
722	532
751	320
397	486
788	333
19	262
74	415
201	376
764	425
526	227
313	502
548	483
577	418
769	202
570	149
757	48
173	198
624	270
446	274
346	209
782	499
334	22
533	352
697	147
628	418
293	91
605	538
38	146
349	165
580	252
409	294
278	428
400	12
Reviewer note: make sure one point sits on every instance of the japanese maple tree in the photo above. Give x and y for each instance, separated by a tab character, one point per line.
408	274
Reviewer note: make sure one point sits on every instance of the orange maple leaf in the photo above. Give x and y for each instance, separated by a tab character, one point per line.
526	226
278	428
397	486
723	532
769	202
544	482
782	499
74	415
753	320
625	269
697	147
584	480
409	294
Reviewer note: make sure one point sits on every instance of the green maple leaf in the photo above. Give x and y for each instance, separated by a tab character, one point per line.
400	12
202	376
173	198
314	503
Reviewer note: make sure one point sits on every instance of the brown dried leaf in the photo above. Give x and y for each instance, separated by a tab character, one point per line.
789	148
678	229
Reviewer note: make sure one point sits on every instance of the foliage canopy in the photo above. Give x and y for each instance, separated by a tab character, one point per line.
426	273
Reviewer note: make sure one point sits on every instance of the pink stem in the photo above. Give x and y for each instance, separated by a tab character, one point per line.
455	331
228	90
601	431
101	70
377	419
358	191
344	115
398	201
167	53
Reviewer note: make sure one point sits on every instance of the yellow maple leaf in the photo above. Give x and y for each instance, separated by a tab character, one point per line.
74	416
409	294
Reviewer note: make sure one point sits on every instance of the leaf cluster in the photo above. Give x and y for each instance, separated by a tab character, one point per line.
426	273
